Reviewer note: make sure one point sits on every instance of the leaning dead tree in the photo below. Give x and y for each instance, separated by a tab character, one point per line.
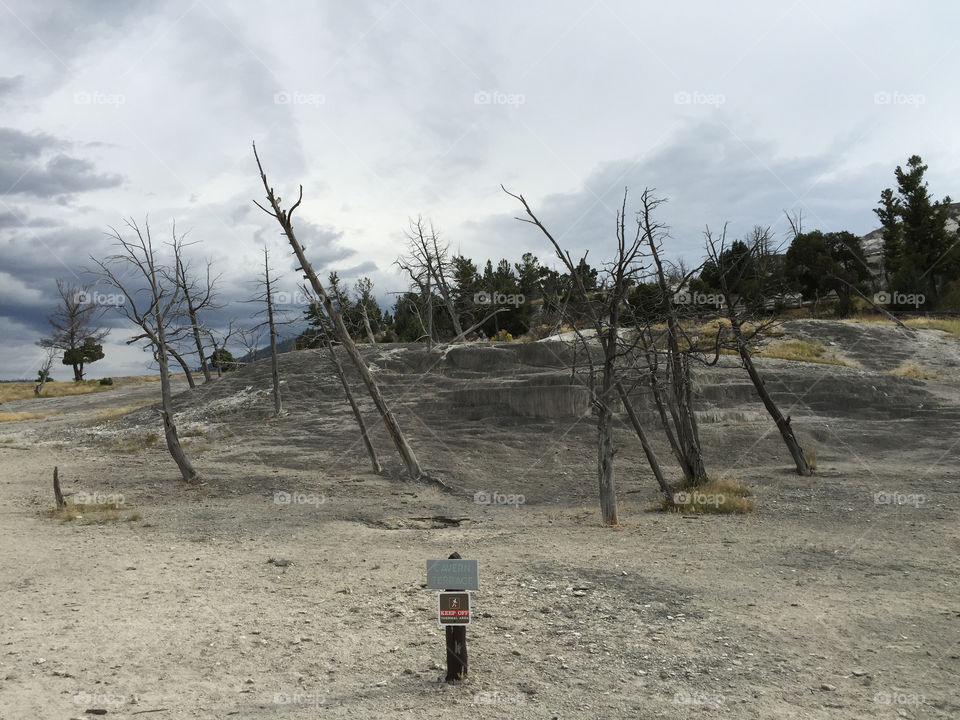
603	310
285	218
735	271
322	323
153	302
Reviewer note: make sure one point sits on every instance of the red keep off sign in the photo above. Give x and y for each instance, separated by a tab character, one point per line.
453	608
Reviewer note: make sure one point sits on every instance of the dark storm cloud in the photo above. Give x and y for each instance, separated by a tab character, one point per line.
28	168
708	176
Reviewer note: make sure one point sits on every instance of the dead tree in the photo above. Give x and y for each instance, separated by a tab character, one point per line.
733	273
251	338
44	372
364	290
322	322
284	218
428	265
198	295
679	351
74	324
272	329
604	311
645	444
153	304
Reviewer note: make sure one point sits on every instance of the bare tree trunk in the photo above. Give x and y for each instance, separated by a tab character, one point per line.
429	298
605	474
207	377
366	324
687	435
782	423
57	493
186	368
169	428
274	361
45	370
645	443
390	422
374	460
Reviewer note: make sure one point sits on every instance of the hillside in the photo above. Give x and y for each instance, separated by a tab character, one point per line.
291	583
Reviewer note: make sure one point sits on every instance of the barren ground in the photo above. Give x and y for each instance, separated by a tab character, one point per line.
822	603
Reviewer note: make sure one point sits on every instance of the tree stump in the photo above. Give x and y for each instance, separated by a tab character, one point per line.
61	503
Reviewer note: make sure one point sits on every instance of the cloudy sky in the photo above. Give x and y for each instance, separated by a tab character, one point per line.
734	112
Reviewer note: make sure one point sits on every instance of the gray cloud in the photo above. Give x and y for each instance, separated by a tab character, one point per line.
25	169
708	176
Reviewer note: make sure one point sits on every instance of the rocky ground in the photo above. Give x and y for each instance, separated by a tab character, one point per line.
291	582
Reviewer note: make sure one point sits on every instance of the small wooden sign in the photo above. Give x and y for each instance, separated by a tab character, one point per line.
453	608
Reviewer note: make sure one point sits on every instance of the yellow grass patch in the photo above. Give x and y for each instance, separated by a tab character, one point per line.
18	416
802	351
723	495
23	390
113	413
948	325
913	370
91	513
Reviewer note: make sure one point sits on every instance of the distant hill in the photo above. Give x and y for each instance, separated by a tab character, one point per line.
283	346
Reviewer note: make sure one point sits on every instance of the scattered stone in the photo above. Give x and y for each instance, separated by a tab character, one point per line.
828	687
858	673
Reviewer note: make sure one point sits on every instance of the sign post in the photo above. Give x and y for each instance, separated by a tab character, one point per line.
454	577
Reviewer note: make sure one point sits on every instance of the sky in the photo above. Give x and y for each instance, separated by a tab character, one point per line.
733	112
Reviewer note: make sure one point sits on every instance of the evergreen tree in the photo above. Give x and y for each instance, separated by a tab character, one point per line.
920	256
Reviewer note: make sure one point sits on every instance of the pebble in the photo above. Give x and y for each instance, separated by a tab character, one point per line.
828	687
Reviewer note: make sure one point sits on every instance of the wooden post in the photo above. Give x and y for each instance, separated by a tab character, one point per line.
61	503
456	646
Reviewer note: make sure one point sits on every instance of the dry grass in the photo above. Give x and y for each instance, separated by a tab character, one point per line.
18	416
724	495
802	351
913	370
93	513
114	413
950	326
24	390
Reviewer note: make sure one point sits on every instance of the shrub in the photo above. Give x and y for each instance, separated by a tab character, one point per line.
106	381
